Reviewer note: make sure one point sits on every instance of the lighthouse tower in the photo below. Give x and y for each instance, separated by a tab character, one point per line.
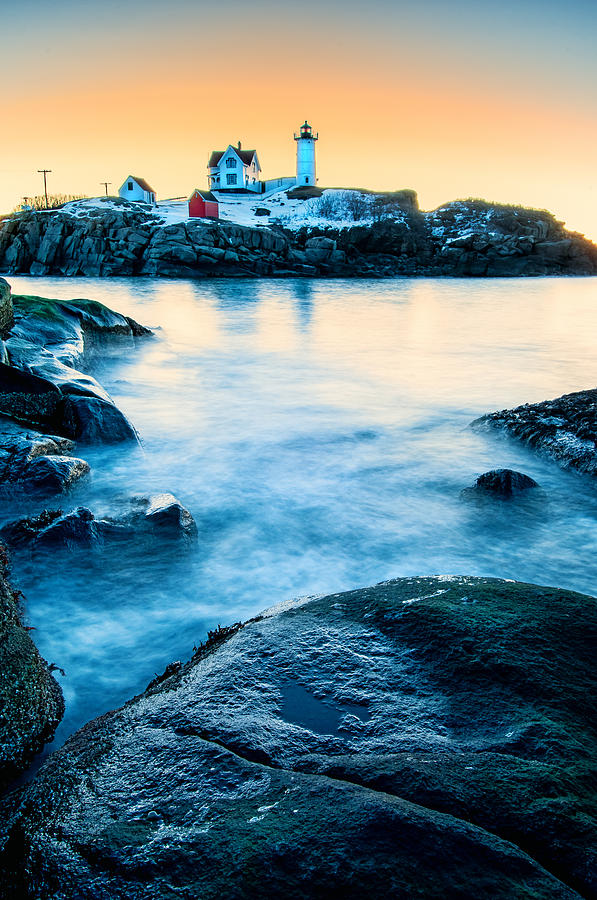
305	155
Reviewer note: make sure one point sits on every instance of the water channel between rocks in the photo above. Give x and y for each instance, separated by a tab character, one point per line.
317	431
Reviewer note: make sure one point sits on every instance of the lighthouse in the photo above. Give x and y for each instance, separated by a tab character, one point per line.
305	155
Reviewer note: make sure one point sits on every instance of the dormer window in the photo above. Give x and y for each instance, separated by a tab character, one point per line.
231	163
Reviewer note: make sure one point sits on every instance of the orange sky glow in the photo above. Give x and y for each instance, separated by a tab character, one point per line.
399	100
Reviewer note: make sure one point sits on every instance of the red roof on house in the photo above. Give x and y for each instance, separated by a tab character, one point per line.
245	155
142	184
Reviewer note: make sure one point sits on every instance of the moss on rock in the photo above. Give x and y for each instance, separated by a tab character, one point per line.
425	737
31	702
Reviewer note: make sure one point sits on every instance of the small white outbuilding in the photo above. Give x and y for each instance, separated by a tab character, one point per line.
137	190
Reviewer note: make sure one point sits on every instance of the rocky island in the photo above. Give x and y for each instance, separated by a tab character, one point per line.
332	233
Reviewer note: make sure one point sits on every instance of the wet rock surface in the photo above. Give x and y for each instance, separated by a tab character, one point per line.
77	529
39	382
93	420
505	483
42	386
426	737
27	397
160	517
6	312
24	531
36	462
164	514
31	703
54	474
564	429
464	238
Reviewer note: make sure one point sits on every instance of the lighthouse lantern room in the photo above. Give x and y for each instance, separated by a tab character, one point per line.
305	155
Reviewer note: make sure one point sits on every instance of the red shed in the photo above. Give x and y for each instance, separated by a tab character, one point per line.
204	205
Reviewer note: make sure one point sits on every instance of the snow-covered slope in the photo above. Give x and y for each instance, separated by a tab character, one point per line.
335	208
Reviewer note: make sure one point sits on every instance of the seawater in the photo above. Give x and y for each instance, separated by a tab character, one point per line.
318	432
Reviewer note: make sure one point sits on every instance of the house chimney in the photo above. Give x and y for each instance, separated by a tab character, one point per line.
239	145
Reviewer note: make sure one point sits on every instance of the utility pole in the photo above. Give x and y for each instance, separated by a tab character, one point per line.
105	184
45	172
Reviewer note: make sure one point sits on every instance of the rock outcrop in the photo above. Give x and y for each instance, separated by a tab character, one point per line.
429	737
28	398
484	239
564	429
505	483
6	313
164	515
36	462
31	703
39	382
160	517
93	420
464	238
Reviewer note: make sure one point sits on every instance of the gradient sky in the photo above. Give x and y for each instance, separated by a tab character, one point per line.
461	99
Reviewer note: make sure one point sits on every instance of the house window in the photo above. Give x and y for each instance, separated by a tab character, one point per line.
230	179
231	163
130	185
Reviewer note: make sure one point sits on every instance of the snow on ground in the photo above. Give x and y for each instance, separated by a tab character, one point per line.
171	212
82	208
335	208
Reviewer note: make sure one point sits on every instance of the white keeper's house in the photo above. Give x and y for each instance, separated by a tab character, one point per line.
137	189
237	171
234	169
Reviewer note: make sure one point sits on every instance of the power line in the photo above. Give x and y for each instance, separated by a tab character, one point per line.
45	172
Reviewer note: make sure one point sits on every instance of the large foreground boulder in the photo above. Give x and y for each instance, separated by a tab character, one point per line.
564	429
426	737
31	703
